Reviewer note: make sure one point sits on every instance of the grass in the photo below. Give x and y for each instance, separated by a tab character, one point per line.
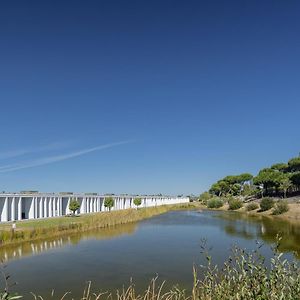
244	276
53	227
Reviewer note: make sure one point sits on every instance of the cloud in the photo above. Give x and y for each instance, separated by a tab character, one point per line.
25	151
53	159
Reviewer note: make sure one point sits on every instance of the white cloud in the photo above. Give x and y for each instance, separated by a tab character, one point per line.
25	151
52	159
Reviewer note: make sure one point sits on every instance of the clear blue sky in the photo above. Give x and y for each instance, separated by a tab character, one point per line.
146	96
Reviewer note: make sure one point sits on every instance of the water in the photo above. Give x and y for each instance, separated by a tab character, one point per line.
167	245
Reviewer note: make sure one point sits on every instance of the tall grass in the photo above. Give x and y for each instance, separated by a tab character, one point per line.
53	227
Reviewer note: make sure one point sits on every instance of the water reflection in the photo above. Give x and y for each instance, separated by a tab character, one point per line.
265	228
11	252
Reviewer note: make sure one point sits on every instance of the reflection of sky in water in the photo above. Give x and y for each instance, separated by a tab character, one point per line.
167	245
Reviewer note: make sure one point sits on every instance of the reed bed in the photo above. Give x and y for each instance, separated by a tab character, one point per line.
53	227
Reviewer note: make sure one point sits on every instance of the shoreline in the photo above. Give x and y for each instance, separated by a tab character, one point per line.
292	215
40	229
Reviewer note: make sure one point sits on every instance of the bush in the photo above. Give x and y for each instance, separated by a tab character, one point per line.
281	207
204	197
266	204
252	206
235	204
215	203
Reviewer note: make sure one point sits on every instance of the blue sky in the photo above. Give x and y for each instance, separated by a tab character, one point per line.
145	96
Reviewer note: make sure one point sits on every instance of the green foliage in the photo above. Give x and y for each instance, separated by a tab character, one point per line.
295	178
294	164
281	207
279	178
235	204
266	204
282	167
109	202
204	197
74	205
215	203
230	185
284	185
137	202
252	206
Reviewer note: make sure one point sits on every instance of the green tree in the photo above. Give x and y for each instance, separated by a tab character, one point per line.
295	178
109	202
269	178
74	205
284	185
282	167
294	164
137	202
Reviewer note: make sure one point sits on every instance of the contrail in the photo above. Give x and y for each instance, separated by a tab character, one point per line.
22	152
52	159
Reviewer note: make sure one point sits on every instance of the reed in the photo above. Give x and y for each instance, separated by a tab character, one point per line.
53	227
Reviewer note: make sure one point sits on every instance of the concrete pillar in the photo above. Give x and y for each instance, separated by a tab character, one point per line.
49	207
31	208
61	206
54	207
68	203
13	209
20	208
45	207
36	207
90	204
41	206
4	214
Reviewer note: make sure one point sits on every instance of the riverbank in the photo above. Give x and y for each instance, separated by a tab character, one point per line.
30	230
292	215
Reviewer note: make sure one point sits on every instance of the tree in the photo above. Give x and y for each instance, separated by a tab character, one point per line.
269	178
109	202
295	178
285	184
282	167
294	164
220	188
137	202
74	205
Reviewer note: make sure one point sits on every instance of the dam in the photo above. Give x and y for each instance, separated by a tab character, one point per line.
22	206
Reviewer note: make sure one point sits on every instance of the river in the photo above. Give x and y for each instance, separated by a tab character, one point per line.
166	246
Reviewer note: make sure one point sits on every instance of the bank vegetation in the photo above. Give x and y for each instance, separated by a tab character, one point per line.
30	230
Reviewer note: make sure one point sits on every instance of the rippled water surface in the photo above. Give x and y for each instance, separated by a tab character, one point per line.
167	245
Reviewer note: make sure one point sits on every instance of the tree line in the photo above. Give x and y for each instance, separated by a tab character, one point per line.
281	179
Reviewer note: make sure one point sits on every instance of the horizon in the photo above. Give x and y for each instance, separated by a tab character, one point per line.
146	98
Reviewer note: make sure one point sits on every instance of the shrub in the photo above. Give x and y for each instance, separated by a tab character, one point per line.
204	197
266	204
281	207
235	204
215	203
252	206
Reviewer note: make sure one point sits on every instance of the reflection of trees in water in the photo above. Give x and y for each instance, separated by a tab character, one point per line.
10	252
243	232
242	225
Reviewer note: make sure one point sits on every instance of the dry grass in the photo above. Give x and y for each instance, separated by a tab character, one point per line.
53	227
